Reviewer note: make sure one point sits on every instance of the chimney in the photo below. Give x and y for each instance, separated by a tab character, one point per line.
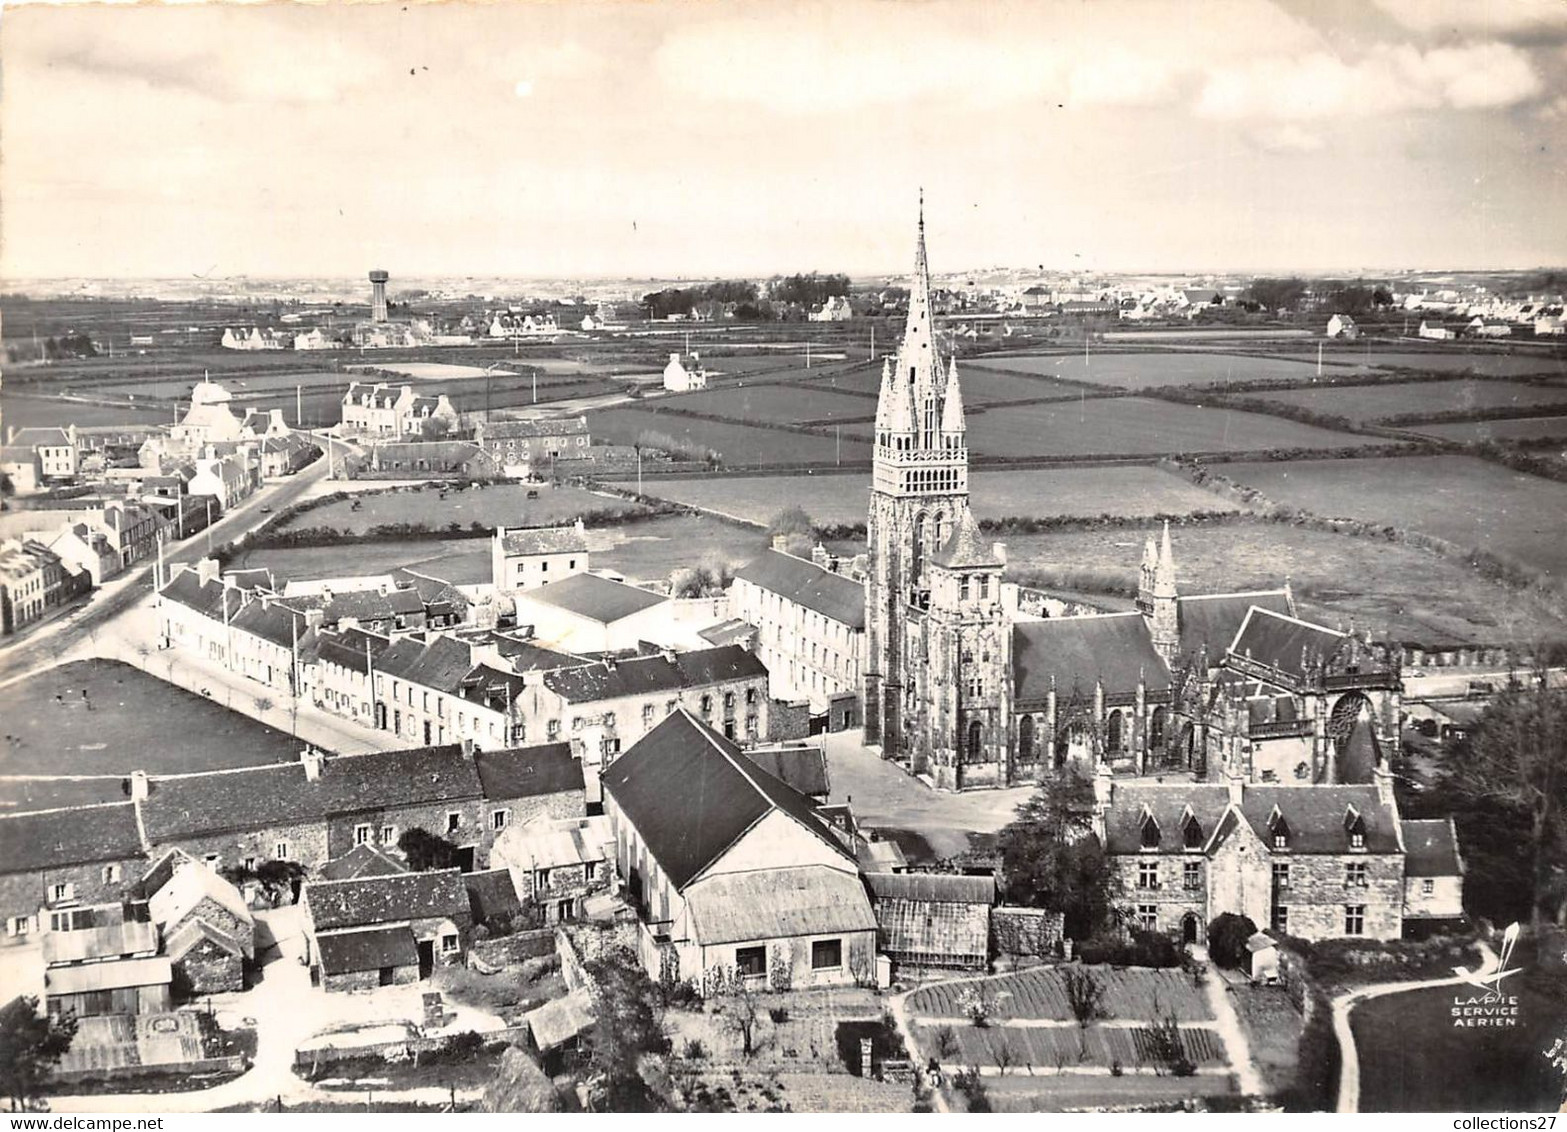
582	528
206	570
314	618
781	543
139	786
820	556
668	654
312	760
1237	785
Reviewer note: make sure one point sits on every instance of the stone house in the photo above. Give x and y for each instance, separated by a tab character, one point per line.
64	858
55	448
734	875
1433	872
378	931
525	557
556	865
536	440
83	546
207	930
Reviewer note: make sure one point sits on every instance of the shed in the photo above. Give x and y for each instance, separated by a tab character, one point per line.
1263	954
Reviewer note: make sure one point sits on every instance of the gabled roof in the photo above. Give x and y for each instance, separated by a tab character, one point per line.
528	772
803	768
1315	815
1133	803
691	795
1282	642
439	663
1212	620
491	894
207	599
734	631
834	596
1115	649
190	884
80	835
646	675
780	903
345	953
271	621
347	648
178	943
547	845
595	598
536	426
363	860
1431	849
932	888
543	540
370	901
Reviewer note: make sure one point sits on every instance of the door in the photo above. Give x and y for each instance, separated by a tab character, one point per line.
1189	928
465	858
426	957
388	976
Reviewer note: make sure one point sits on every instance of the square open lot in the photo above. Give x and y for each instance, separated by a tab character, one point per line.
1148	370
738	444
1374	402
129	720
1467	501
490	506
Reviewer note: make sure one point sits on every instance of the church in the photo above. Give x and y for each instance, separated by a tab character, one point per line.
968	689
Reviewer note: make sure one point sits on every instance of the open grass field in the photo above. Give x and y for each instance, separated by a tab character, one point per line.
1137	426
1518	428
27	411
1132	490
647	551
1459	498
1374	402
786	404
1082	1093
981	385
134	722
428	371
1131	994
1414	595
1451	360
1149	370
491	506
739	444
1044	1048
1414	1059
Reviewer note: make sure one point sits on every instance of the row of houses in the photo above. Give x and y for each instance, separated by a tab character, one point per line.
381	410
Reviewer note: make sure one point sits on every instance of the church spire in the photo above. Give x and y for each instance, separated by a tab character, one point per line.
952	409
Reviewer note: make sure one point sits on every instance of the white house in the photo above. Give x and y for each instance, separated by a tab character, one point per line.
678	378
527	557
585	613
1342	326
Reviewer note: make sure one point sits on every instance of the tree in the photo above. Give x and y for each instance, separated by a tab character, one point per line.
279	878
30	1046
425	851
1277	294
1514	764
1168	1048
627	1027
264	704
796	528
742	1012
1084	995
1050	857
1227	937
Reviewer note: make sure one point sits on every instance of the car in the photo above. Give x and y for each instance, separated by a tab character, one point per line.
266	510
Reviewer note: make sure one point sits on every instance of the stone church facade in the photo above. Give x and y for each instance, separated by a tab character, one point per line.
968	690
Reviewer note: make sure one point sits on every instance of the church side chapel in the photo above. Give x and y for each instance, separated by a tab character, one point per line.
968	691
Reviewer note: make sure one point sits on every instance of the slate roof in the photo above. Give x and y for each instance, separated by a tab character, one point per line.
650	674
1316	814
1166	803
1431	848
536	426
346	648
271	621
179	942
593	597
834	596
1279	641
561	1020
932	888
345	953
731	632
1114	648
491	894
366	901
544	540
1214	619
433	592
41	437
364	860
691	795
528	772
547	845
80	835
770	904
189	885
802	768
208	600
440	663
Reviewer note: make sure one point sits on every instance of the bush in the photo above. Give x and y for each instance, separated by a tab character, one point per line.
1227	936
1143	949
695	1050
779	1014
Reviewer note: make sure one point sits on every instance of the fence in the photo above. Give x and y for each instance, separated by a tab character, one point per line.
398	1050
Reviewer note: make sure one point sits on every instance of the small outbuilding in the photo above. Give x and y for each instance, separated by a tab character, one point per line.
1262	952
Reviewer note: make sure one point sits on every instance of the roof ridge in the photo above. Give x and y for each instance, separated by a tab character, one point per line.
1237	593
384	876
66	809
1292	619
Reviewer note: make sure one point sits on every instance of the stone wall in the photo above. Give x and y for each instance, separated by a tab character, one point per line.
22	894
307	845
207	969
1026	931
369	980
788	721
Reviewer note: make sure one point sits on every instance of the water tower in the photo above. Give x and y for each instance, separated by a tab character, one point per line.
378	280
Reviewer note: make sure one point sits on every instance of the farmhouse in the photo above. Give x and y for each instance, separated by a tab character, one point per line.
65	858
735	876
558	864
379	931
534	440
207	930
680	378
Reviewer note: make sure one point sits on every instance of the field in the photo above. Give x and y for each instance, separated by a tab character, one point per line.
134	722
1079	1093
1518	428
1134	490
1456	361
1132	994
739	444
1409	593
786	404
646	550
1146	370
1273	1027
1136	426
1464	500
432	370
437	508
1374	402
981	384
1413	1059
21	411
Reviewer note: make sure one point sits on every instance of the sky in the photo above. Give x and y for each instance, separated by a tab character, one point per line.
564	138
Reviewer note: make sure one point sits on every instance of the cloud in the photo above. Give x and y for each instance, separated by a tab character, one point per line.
1527	20
1387	79
1288	138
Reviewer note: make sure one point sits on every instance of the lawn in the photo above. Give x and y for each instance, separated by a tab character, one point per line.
1374	402
1414	1059
1412	594
1137	426
129	720
1035	492
1464	500
490	506
1518	428
1132	993
1273	1027
738	444
29	411
1138	371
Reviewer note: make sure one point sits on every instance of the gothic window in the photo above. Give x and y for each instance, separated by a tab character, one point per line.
1113	729
975	747
917	567
1025	739
1156	728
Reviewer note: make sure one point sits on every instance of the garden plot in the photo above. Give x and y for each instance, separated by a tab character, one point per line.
1133	993
1043	1049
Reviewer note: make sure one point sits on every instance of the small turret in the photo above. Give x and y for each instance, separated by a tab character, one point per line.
952	426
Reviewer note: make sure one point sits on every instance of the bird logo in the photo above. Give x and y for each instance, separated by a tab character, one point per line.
1490	982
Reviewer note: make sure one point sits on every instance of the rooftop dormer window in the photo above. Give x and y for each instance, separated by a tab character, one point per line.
1150	830
1278	830
1191	830
1355	828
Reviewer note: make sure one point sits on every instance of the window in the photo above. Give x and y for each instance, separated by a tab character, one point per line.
388	835
1357	840
576	723
1281	876
571	563
1191	874
590	871
541	879
826	954
707	706
553	730
1355	874
281	851
1147	874
669	708
1427	887
362	834
1354	919
1281	918
729	703
647	715
212	861
449	943
250	864
453	821
750	695
1148	916
111	874
498	819
962	587
751	962
984	585
19	925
